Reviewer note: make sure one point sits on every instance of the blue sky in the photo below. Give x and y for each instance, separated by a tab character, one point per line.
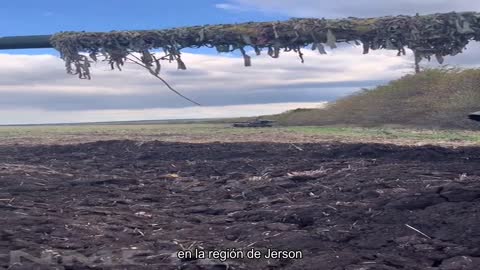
48	16
39	91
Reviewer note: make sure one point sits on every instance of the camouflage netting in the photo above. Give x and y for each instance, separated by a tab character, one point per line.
430	35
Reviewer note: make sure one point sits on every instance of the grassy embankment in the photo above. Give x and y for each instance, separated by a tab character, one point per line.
436	98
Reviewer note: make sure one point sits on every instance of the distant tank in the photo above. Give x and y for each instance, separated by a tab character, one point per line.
255	123
474	116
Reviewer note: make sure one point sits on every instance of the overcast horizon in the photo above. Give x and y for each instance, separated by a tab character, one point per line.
37	90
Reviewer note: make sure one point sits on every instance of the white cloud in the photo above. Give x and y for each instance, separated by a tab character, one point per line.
35	88
229	7
45	73
357	8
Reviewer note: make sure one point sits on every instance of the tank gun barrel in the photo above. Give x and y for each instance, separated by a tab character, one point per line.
25	42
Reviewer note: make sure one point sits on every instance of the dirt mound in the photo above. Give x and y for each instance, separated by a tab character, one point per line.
132	205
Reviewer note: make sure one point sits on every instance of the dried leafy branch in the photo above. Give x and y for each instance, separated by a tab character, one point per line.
155	73
435	35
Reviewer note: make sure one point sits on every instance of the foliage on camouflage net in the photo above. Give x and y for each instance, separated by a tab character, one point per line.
431	35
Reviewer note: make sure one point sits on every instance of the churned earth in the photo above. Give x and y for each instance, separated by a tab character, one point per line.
126	204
